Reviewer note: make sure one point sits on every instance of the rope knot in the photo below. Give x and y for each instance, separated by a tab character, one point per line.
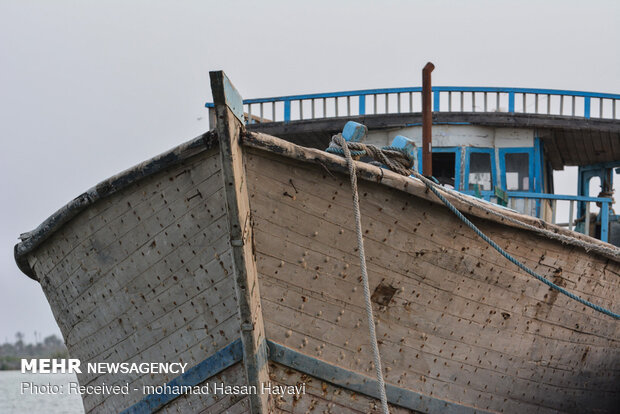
396	159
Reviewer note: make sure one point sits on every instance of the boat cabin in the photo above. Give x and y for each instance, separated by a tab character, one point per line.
499	144
512	168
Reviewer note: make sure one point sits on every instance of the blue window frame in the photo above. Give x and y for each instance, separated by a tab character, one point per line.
457	162
532	182
473	150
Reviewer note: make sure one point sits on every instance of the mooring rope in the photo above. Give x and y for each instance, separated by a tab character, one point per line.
404	167
362	255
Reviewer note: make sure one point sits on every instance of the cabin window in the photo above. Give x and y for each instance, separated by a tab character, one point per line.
480	171
444	167
517	171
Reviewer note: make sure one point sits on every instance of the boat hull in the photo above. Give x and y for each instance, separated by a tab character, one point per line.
148	274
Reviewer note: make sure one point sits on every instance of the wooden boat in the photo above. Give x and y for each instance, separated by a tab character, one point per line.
236	253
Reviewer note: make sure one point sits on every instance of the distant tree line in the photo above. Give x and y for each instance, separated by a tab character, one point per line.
12	353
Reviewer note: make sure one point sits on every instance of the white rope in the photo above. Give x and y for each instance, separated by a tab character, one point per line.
360	248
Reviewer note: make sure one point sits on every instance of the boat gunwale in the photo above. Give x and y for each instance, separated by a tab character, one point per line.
33	239
271	144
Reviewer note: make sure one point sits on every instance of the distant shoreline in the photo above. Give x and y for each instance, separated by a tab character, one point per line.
11	354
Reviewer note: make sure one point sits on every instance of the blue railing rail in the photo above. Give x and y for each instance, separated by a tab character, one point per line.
445	99
572	199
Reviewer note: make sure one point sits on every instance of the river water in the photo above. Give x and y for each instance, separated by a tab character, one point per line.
14	401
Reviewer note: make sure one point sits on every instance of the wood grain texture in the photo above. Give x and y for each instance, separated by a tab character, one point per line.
465	325
214	403
321	396
148	274
229	127
144	275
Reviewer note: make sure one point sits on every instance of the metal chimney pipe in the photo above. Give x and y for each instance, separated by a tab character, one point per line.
427	121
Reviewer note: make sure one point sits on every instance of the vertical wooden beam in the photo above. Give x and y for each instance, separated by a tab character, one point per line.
229	113
212	120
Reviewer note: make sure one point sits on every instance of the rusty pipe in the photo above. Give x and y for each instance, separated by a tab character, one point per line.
427	121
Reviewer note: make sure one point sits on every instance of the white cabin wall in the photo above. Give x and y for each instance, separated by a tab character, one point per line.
459	135
514	137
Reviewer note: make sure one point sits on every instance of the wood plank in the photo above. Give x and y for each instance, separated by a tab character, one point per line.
615	144
599	147
553	152
229	125
446	324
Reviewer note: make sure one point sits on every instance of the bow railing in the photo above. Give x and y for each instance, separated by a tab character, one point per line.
445	99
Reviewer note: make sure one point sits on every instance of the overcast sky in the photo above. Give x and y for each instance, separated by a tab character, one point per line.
89	88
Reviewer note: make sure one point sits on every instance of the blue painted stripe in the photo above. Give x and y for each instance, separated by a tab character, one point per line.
604	222
435	100
523	194
511	102
213	365
287	110
350	380
586	107
362	384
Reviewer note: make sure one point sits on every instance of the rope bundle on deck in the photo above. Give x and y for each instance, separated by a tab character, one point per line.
396	159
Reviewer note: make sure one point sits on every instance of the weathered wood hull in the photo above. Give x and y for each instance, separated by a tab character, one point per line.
147	273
